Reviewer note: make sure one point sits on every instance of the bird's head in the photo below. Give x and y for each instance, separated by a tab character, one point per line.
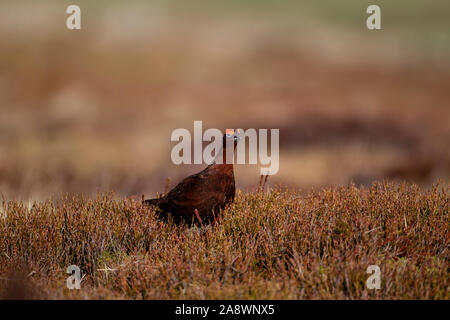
230	139
231	135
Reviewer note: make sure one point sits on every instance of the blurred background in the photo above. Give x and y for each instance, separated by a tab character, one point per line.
93	109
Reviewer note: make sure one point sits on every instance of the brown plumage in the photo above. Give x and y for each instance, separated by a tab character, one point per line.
200	197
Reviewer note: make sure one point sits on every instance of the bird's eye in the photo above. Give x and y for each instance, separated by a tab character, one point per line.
229	132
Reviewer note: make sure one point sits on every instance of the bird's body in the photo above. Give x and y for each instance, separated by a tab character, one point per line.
199	198
207	191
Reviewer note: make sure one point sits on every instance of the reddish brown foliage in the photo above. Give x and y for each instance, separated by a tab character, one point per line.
275	244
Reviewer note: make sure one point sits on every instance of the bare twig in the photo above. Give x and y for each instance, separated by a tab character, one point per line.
166	189
32	273
372	230
265	181
260	182
107	269
197	215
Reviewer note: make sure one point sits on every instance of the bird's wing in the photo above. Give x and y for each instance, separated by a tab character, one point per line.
200	191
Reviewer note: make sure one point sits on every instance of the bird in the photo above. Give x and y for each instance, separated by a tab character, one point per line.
199	198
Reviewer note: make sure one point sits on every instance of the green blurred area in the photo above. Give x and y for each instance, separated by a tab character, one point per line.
418	17
425	25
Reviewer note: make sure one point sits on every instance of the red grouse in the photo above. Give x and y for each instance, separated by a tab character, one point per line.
200	197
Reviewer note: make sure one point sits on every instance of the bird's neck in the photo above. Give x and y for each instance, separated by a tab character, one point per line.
224	166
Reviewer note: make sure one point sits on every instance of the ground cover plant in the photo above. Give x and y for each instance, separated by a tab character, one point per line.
270	244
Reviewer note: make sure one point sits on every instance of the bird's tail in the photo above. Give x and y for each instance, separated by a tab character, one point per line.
159	213
151	202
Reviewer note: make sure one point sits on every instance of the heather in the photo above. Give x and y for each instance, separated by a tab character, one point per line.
270	244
